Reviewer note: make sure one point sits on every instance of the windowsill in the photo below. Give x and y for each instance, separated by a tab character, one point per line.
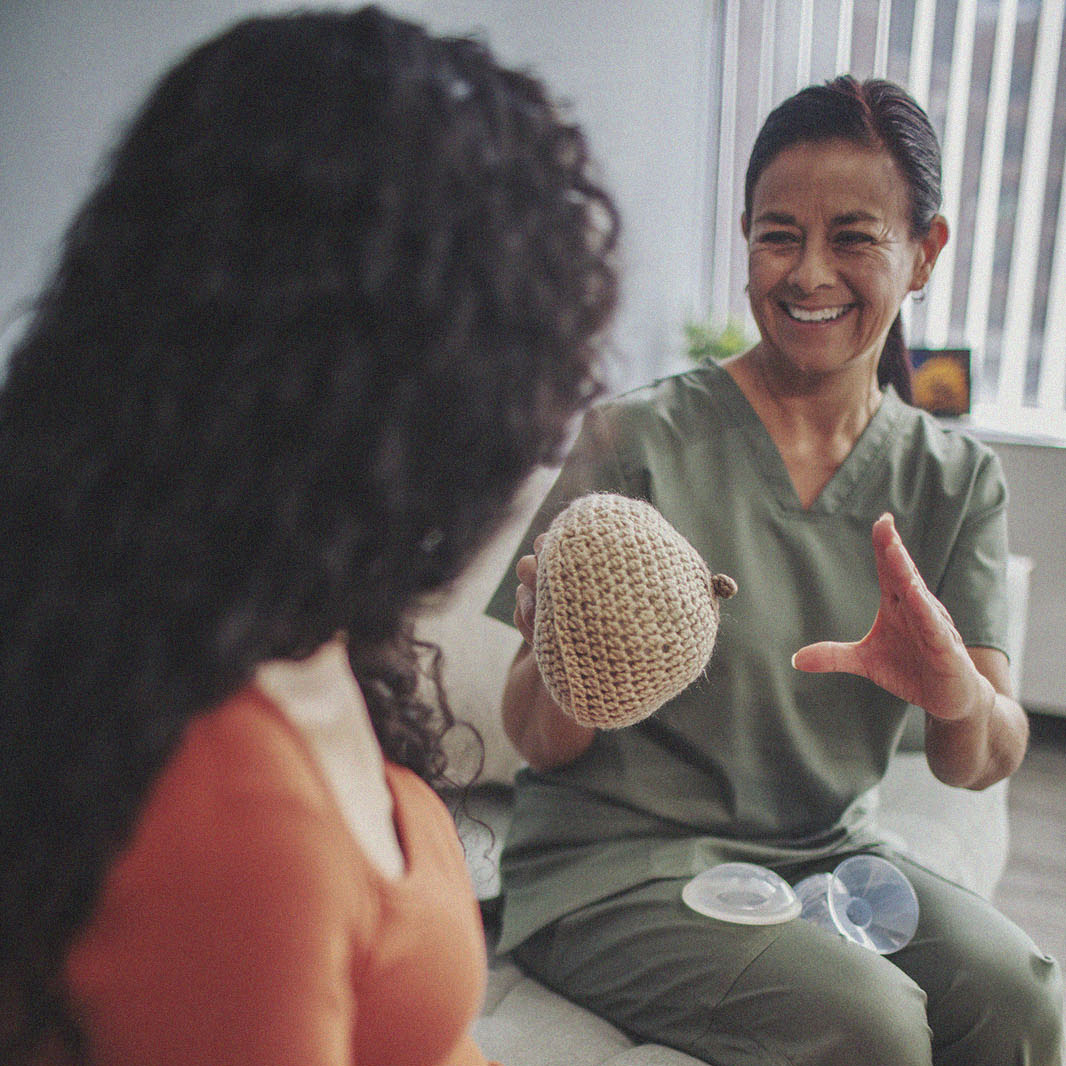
1025	425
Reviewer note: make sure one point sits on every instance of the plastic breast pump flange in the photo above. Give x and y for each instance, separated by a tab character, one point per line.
866	899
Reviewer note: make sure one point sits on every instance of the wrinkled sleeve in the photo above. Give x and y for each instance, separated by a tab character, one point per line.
974	585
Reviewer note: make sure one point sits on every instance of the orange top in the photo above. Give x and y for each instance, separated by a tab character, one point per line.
242	923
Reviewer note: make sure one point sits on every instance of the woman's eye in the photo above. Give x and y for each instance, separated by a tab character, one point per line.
777	237
851	237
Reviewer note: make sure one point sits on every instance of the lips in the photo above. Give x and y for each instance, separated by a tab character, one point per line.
816	314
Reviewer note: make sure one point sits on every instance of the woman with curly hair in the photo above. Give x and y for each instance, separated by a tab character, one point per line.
336	294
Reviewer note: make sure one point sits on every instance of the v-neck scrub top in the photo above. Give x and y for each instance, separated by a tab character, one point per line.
755	761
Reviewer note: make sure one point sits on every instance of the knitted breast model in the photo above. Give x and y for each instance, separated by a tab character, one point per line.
627	610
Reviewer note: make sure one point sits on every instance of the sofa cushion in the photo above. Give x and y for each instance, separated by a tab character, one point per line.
524	1024
959	834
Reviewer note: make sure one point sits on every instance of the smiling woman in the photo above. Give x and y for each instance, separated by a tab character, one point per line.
781	465
882	151
832	255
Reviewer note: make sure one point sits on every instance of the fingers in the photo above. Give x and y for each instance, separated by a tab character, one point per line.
526	567
894	565
904	593
525	602
903	586
525	610
526	570
896	572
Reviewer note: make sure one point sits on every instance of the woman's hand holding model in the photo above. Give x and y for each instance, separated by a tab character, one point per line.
534	722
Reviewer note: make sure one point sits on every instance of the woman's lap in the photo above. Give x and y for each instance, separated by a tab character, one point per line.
792	993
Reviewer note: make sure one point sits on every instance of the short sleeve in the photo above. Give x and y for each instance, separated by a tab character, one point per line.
974	585
592	465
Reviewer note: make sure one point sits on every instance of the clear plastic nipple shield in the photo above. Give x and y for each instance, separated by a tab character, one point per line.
742	892
866	899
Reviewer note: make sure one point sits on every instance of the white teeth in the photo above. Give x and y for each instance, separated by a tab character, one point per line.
823	314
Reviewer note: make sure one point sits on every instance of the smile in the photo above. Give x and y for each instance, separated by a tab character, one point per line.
820	314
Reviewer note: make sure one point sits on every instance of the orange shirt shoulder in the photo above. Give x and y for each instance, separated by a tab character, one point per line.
242	923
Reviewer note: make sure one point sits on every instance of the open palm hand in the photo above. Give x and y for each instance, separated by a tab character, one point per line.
913	649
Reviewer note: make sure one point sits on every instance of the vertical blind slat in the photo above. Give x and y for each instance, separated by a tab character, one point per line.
1031	191
803	50
705	135
988	189
938	316
721	277
921	59
845	23
884	21
1051	390
767	50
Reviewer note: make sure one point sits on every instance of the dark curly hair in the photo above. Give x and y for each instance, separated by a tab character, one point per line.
874	114
337	292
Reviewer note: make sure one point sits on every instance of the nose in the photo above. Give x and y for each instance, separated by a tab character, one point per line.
813	266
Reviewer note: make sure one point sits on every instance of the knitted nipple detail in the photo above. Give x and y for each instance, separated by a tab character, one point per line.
627	610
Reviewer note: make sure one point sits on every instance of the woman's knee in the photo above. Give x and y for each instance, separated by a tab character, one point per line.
1037	1009
994	997
1011	1014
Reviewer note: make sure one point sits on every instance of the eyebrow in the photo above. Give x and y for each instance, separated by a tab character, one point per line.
783	218
855	216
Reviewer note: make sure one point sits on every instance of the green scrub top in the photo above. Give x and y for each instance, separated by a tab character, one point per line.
755	761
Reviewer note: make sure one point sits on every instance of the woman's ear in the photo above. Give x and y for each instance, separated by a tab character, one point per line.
929	247
744	224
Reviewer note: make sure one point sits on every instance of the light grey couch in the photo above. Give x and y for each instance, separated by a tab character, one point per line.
963	835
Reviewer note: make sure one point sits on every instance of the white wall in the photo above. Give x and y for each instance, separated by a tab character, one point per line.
71	71
1036	478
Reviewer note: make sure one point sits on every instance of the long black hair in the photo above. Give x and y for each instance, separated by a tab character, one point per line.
337	292
872	114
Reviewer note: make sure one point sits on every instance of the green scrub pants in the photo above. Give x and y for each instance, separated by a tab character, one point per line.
970	989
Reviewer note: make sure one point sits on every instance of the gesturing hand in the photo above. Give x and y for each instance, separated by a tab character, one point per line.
913	648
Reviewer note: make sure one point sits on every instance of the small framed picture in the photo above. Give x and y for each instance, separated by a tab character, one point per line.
941	380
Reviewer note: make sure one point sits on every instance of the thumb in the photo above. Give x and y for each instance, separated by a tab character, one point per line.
827	656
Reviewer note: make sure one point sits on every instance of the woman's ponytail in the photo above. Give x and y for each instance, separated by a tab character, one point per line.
894	367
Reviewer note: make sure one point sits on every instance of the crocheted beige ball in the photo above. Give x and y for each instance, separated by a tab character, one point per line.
627	610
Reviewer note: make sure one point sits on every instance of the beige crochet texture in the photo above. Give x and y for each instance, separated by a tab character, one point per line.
627	610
